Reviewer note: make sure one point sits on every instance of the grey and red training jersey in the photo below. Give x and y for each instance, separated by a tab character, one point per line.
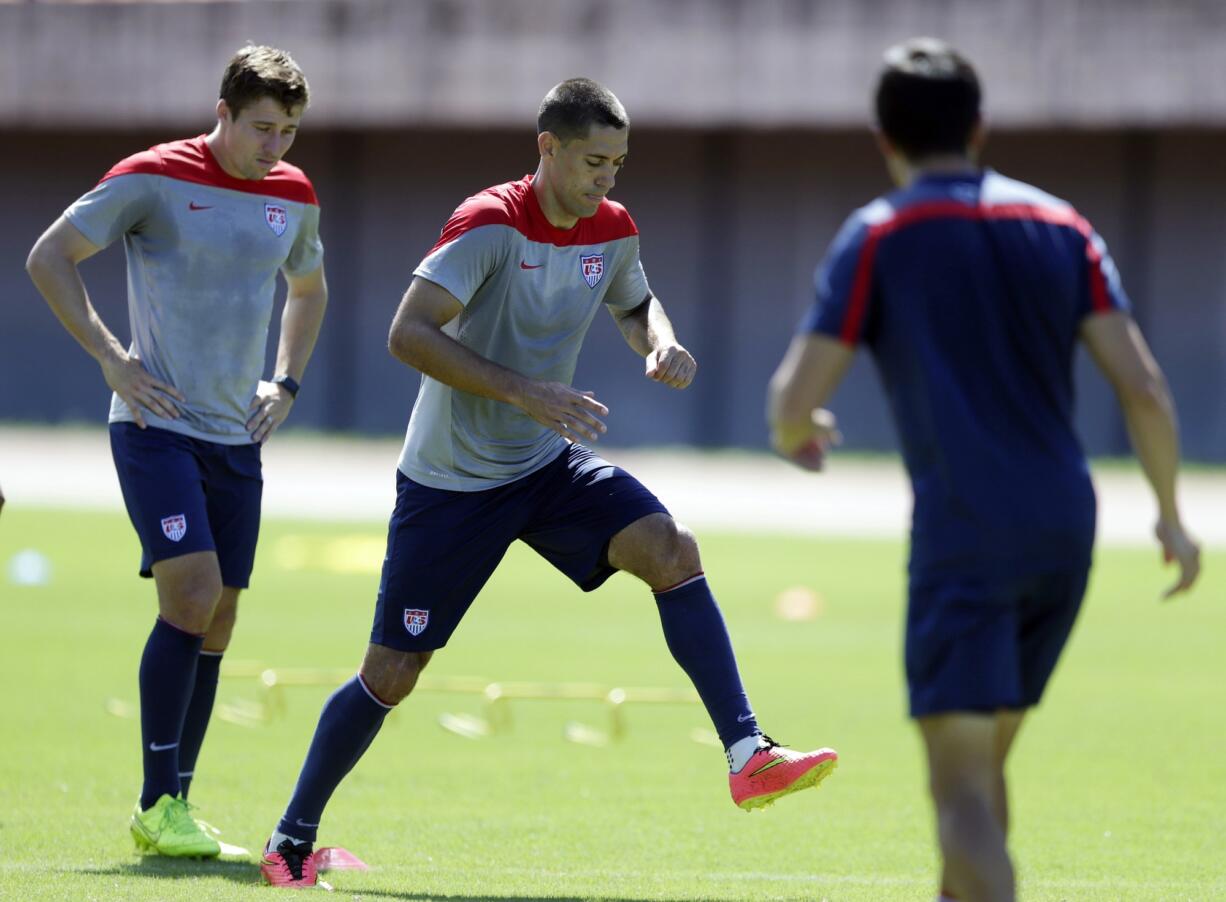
530	290
203	253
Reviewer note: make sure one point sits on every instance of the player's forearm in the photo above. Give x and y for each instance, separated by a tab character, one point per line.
792	396
300	324
1153	430
789	411
424	347
647	328
805	380
59	282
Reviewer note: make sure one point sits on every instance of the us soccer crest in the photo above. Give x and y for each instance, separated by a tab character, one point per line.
174	528
277	218
592	267
415	620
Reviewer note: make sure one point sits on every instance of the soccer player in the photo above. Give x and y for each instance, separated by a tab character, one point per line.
972	291
494	319
207	223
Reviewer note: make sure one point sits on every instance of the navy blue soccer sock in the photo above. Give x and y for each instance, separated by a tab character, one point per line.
348	724
167	672
199	710
695	632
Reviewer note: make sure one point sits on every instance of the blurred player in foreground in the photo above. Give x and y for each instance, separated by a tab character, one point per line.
207	223
972	291
494	319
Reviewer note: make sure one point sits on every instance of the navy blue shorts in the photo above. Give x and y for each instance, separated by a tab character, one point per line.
979	646
186	495
442	546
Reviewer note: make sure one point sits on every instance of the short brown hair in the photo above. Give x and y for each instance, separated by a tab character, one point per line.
257	71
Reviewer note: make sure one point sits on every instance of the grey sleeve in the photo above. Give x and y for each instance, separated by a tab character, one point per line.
307	254
629	287
462	265
115	207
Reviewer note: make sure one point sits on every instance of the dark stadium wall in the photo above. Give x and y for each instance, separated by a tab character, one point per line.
733	223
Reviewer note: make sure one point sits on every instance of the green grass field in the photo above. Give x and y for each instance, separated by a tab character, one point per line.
1119	780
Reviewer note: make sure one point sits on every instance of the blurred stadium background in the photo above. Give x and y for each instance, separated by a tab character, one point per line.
750	145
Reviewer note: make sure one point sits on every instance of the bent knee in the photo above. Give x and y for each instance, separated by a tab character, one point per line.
392	674
200	598
679	558
192	603
658	550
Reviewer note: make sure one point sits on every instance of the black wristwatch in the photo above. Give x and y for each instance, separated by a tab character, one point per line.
289	383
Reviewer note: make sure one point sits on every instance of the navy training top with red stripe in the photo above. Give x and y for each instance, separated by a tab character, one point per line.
969	290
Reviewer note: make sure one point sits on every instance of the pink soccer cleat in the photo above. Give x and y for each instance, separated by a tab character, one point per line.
289	865
775	771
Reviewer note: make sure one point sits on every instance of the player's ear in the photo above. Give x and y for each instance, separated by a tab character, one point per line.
979	137
883	143
895	161
223	110
547	143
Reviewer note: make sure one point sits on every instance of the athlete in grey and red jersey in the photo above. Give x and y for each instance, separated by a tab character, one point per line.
207	224
972	292
204	249
494	319
529	291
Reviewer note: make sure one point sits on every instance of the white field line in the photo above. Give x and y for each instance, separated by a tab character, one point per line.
343	479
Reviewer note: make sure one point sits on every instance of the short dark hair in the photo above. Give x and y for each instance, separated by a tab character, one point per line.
257	71
928	98
570	109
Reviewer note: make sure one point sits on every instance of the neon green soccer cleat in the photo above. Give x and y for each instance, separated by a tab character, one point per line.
169	829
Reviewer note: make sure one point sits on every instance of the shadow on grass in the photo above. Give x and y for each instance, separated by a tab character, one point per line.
245	872
161	868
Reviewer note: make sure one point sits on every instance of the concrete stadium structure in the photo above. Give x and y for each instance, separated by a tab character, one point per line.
750	144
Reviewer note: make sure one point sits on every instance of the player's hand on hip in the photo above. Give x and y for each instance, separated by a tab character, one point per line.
269	408
806	444
572	414
129	379
1178	546
673	366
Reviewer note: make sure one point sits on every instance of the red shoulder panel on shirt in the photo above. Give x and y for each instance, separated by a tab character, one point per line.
147	162
948	209
514	204
611	222
190	160
493	206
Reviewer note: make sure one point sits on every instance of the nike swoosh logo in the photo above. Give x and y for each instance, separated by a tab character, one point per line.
523	265
767	766
741	718
154	747
195	206
301	823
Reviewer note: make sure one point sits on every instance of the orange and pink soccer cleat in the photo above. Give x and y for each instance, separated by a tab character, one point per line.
289	865
774	771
